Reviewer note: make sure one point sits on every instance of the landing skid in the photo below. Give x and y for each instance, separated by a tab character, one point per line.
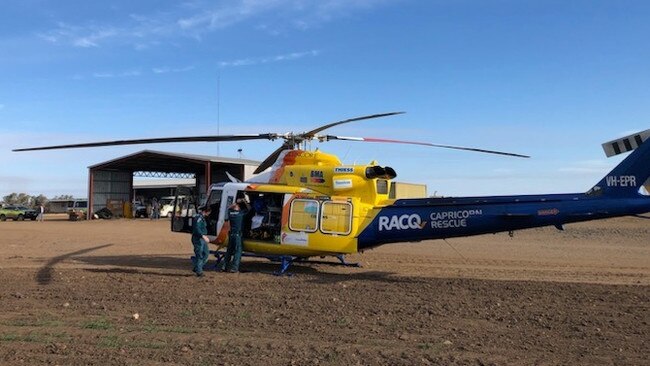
340	257
285	261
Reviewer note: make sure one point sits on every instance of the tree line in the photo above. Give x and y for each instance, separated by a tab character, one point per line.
25	199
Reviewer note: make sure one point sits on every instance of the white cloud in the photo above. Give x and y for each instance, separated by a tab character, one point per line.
223	16
265	60
587	167
166	70
93	39
134	73
193	19
124	74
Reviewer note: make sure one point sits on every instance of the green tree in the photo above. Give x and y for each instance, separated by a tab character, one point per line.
24	199
40	200
63	197
18	199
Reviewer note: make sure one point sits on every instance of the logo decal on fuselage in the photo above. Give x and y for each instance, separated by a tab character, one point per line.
343	169
342	183
401	222
439	220
549	212
452	219
317	176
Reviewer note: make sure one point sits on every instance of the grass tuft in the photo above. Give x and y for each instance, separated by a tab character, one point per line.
9	337
100	324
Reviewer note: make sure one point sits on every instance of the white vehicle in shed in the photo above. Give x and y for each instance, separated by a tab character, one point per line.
166	206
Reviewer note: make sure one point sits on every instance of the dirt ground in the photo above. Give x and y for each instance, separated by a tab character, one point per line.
70	292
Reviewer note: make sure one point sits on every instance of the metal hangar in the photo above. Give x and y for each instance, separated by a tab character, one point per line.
112	181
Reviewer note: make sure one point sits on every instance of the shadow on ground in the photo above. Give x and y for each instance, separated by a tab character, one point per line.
319	272
138	261
44	274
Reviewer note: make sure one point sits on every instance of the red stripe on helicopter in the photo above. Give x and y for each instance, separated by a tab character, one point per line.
371	139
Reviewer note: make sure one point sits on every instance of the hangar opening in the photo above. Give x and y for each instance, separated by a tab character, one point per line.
111	183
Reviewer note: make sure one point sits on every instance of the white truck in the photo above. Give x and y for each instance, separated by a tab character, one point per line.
166	206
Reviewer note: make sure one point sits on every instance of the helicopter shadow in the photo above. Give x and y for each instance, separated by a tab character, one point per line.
44	274
371	276
272	267
137	264
144	264
317	273
136	271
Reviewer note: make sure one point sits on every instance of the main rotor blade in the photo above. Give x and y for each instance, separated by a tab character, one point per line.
290	144
216	138
371	139
271	158
321	128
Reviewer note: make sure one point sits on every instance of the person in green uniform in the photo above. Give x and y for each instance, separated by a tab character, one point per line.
200	240
236	213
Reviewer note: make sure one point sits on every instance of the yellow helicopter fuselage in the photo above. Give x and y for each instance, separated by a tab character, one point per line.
310	205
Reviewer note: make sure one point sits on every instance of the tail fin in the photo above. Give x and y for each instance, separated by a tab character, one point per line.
632	173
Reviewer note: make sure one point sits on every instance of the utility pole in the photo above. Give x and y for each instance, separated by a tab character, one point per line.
218	110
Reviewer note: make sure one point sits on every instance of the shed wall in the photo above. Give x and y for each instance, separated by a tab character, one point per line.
58	207
108	184
248	171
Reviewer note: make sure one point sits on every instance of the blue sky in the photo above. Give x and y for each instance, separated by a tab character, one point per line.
552	79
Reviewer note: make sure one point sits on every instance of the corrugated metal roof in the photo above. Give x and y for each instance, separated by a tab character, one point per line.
199	159
161	183
70	200
214	159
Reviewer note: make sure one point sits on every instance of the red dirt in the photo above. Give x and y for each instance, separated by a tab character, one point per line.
69	292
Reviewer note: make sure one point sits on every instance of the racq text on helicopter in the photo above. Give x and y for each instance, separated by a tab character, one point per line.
308	203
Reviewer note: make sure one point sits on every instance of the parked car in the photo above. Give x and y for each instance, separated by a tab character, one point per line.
17	213
140	210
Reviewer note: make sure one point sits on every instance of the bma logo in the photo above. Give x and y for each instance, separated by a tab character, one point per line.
317	176
403	222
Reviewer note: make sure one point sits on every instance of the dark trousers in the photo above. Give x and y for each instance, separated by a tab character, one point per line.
201	254
233	254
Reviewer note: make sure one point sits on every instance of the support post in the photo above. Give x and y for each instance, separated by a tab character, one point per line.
89	210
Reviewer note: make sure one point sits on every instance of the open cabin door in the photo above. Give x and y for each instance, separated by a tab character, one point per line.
185	207
215	219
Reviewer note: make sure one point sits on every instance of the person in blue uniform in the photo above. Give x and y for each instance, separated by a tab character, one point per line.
235	215
200	240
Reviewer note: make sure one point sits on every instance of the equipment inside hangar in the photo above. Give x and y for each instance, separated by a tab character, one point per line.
110	183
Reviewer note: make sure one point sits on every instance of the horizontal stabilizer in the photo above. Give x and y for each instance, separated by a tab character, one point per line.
625	144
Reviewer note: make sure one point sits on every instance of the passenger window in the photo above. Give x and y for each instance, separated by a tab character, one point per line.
303	215
336	218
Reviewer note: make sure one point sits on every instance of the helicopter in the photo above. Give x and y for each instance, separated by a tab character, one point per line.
306	203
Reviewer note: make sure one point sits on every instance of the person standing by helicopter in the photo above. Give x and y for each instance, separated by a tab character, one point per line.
200	240
236	213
